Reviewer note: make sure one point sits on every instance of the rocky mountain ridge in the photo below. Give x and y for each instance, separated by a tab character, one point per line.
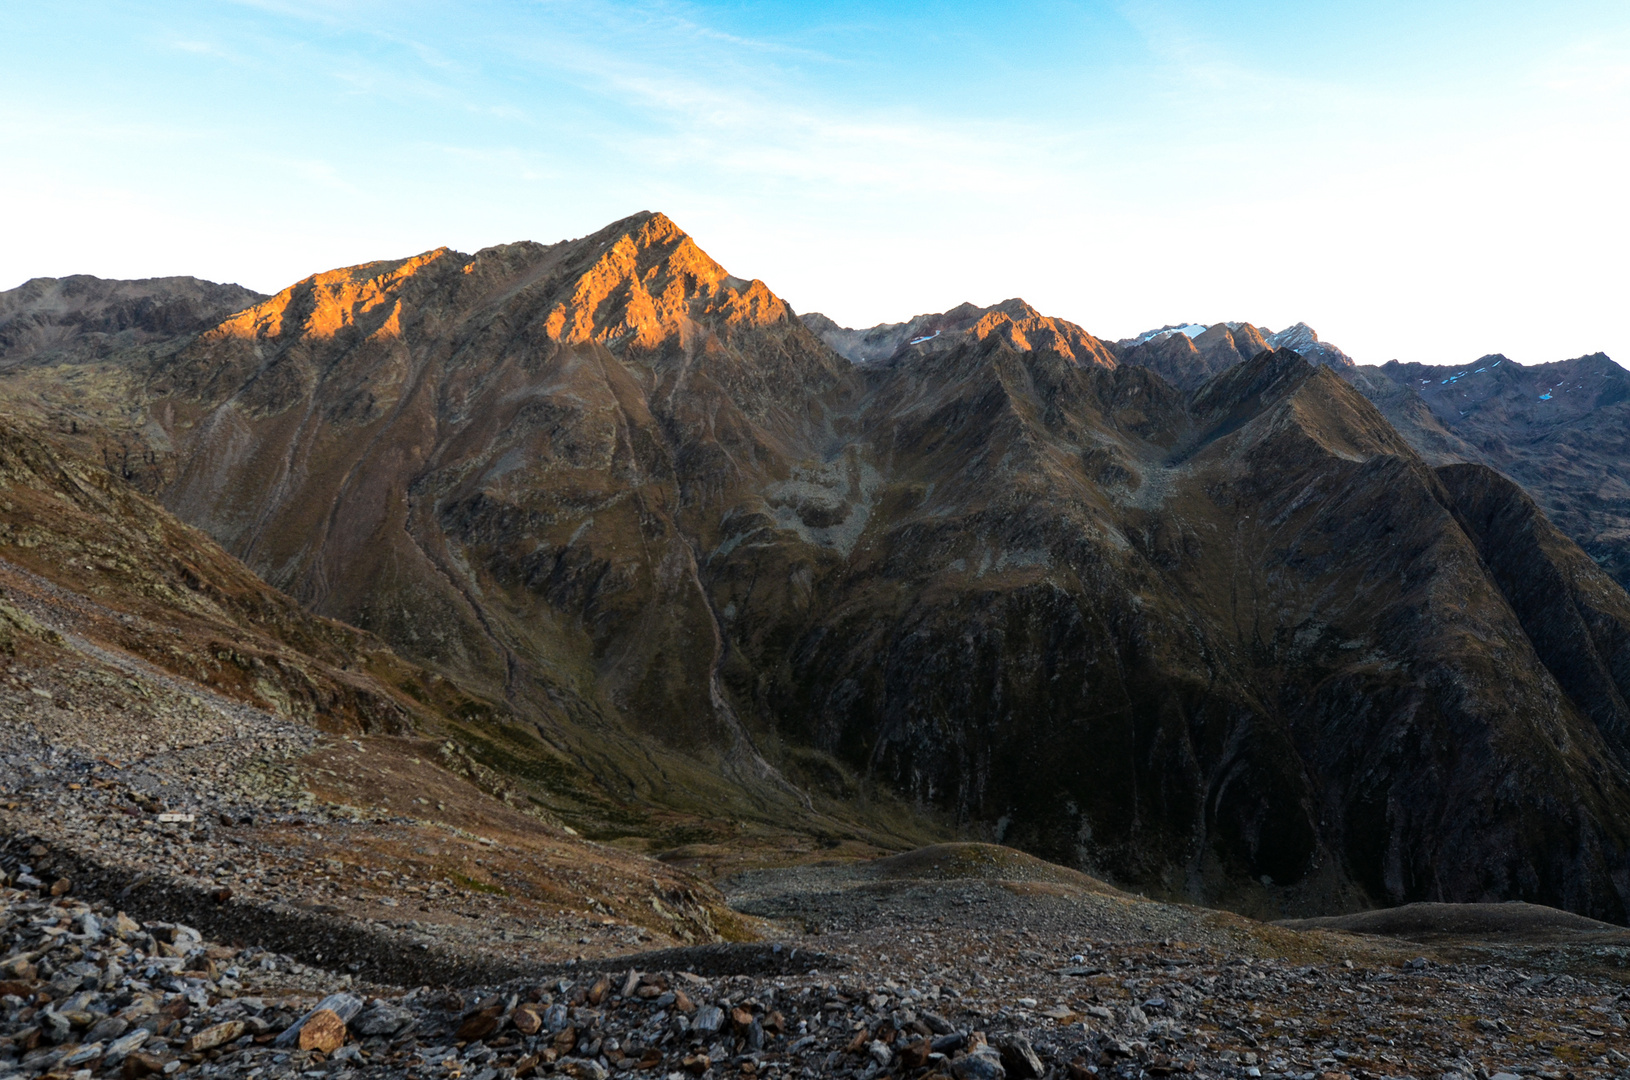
1562	430
1234	639
1016	322
1556	428
89	315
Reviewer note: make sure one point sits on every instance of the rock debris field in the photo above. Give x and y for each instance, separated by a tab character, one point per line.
86	990
200	904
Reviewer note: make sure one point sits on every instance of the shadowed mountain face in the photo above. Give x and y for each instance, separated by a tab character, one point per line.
1561	430
1186	361
1241	642
93	316
1198	641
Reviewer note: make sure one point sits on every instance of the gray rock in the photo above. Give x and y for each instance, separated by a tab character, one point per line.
708	1020
382	1019
109	1027
120	1048
55	1026
983	1064
1019	1058
583	1067
88	1052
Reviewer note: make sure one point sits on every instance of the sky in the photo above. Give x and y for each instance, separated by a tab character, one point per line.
1421	180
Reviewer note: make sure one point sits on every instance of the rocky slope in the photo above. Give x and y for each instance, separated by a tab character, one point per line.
1239	643
117	572
195	742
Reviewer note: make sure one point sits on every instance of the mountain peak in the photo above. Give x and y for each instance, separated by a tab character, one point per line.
1013	320
1188	355
638	283
650	283
1305	340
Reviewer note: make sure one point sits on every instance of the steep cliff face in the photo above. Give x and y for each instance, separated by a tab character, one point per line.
1575	614
1235	639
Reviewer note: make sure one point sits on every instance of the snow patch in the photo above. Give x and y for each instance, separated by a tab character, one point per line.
1190	329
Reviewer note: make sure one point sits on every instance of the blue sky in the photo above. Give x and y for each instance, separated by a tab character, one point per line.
1428	180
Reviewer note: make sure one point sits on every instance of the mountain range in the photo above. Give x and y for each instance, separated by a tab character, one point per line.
1218	614
1560	429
